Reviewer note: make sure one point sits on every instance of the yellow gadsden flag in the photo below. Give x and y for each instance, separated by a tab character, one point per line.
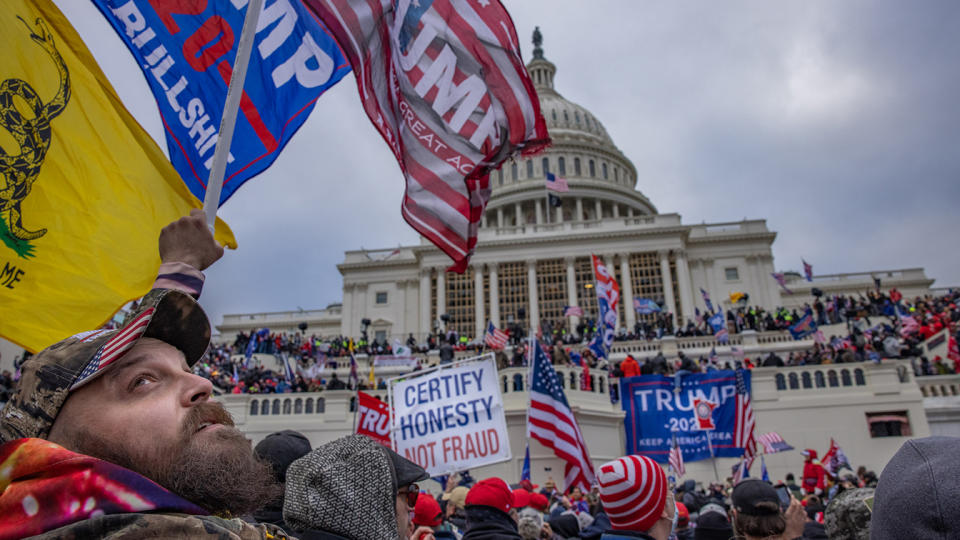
84	191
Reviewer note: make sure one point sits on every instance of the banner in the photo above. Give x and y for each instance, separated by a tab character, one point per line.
84	191
608	294
655	413
373	418
186	51
451	418
805	326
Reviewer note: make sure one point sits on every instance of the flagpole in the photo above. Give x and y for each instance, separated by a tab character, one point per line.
211	200
713	457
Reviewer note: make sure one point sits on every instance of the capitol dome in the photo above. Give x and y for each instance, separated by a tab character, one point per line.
602	180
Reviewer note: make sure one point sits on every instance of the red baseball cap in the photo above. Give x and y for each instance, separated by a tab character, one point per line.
427	512
683	515
492	492
539	501
521	498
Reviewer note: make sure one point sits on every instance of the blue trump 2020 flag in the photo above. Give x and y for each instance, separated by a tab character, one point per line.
655	413
805	326
187	50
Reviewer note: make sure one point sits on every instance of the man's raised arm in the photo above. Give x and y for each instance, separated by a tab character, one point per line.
187	247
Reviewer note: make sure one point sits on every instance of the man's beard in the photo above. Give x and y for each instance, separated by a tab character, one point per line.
218	471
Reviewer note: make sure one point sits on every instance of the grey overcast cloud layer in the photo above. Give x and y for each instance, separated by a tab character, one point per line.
836	121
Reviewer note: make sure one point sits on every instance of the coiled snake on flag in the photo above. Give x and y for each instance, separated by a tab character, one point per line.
31	134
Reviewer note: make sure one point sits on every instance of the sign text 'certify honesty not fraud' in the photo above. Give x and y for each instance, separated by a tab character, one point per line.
452	418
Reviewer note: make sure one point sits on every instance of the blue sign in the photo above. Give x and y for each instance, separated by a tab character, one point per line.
655	413
187	50
805	326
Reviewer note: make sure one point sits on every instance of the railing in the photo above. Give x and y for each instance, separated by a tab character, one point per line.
572	380
939	385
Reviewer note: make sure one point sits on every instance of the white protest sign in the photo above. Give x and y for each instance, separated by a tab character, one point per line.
451	418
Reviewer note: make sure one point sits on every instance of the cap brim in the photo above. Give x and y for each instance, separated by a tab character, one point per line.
407	471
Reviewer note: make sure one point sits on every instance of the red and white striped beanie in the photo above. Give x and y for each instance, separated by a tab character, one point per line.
633	490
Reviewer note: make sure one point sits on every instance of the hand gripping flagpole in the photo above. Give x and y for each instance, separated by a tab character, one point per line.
211	200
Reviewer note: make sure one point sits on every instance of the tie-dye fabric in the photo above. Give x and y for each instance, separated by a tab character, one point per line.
44	486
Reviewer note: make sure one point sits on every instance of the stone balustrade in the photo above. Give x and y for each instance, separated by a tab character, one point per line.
939	385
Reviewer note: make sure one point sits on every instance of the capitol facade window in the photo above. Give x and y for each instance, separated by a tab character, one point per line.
545	163
512	282
551	290
731	274
461	301
529	168
593	170
646	281
513	171
604	169
561	166
576	166
381	297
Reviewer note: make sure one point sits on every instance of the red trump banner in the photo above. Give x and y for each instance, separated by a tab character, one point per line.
374	419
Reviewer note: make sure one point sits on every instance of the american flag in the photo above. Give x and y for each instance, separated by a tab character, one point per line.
807	270
772	443
782	281
908	325
551	422
676	459
743	428
741	470
444	84
494	337
557	183
115	347
572	311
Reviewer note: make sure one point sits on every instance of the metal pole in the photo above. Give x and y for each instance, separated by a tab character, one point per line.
211	200
713	458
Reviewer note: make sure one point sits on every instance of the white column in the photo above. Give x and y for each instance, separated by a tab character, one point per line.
629	211
671	305
598	208
401	324
534	301
483	220
559	211
346	315
359	306
626	292
683	280
479	321
572	291
579	214
616	210
539	211
518	212
494	295
441	292
500	217
425	322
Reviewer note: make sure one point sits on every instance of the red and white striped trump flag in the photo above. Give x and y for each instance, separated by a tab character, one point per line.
551	422
443	82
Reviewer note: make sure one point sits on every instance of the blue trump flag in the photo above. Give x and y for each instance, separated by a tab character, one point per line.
525	471
655	413
187	50
805	326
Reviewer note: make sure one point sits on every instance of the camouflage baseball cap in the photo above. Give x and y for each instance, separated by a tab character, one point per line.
48	377
847	517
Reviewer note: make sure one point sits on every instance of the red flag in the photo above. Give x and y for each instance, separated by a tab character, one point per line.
374	419
443	82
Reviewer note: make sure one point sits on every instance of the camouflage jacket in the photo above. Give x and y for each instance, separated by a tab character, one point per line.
136	526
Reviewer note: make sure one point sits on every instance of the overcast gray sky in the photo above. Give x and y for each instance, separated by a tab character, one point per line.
836	121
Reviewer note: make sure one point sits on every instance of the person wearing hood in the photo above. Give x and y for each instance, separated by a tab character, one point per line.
564	527
918	495
488	507
637	500
814	477
352	488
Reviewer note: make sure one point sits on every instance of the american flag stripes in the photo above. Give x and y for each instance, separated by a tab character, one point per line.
781	280
745	422
494	337
557	183
443	83
676	459
115	347
551	422
772	443
572	311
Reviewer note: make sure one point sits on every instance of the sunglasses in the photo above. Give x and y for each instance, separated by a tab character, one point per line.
411	492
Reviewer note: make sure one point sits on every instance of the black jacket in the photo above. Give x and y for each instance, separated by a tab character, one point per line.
486	523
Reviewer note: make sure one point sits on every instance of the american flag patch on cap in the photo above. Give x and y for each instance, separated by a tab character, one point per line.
115	347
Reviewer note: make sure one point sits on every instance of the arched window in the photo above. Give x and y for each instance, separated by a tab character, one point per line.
513	171
794	384
604	168
818	377
321	405
298	406
859	378
553	114
593	169
781	381
545	163
566	116
265	406
506	383
573	381
845	377
287	406
806	379
276	407
529	168
576	116
254	408
602	384
616	174
518	382
561	166
832	379
309	407
576	166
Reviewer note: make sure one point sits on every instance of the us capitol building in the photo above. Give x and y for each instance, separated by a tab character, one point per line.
533	259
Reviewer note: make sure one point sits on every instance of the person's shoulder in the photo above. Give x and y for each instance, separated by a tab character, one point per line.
134	525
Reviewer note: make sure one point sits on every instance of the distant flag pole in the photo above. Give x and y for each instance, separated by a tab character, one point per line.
807	270
211	199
